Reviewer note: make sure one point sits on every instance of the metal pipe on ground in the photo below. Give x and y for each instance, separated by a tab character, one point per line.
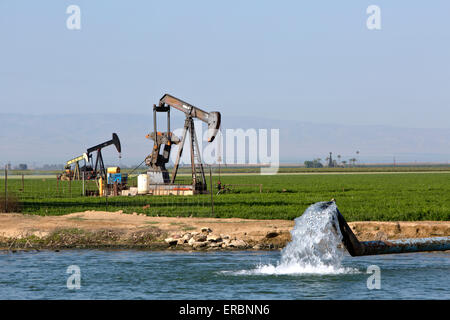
364	248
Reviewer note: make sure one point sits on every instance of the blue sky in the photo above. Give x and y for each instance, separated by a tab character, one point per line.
312	61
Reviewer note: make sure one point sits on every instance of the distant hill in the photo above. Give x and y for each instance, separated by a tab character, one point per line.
56	138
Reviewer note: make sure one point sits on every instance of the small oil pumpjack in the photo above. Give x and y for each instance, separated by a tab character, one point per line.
115	180
99	167
157	161
72	169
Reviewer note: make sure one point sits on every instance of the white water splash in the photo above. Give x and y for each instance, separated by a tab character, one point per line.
315	246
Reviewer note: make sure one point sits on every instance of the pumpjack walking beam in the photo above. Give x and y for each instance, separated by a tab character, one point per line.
211	118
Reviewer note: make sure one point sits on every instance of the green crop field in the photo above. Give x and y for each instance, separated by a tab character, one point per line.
384	197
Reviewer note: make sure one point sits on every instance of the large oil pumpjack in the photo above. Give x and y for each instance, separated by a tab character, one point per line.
157	161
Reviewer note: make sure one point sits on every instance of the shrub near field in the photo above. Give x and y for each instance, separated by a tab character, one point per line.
383	197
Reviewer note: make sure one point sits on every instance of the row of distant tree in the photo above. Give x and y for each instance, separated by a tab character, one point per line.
330	162
21	166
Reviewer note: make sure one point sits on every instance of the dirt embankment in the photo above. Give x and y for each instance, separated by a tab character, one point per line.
116	229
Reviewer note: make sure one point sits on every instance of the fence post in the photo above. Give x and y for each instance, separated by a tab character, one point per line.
211	190
115	189
84	193
23	183
6	188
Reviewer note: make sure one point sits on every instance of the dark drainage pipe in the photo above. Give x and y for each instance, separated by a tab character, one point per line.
365	248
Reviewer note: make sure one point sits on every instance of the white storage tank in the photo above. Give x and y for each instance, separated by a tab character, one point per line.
142	184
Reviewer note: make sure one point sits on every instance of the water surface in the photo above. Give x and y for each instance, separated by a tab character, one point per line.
216	275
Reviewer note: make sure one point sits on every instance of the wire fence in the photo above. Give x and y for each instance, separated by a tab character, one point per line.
48	195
